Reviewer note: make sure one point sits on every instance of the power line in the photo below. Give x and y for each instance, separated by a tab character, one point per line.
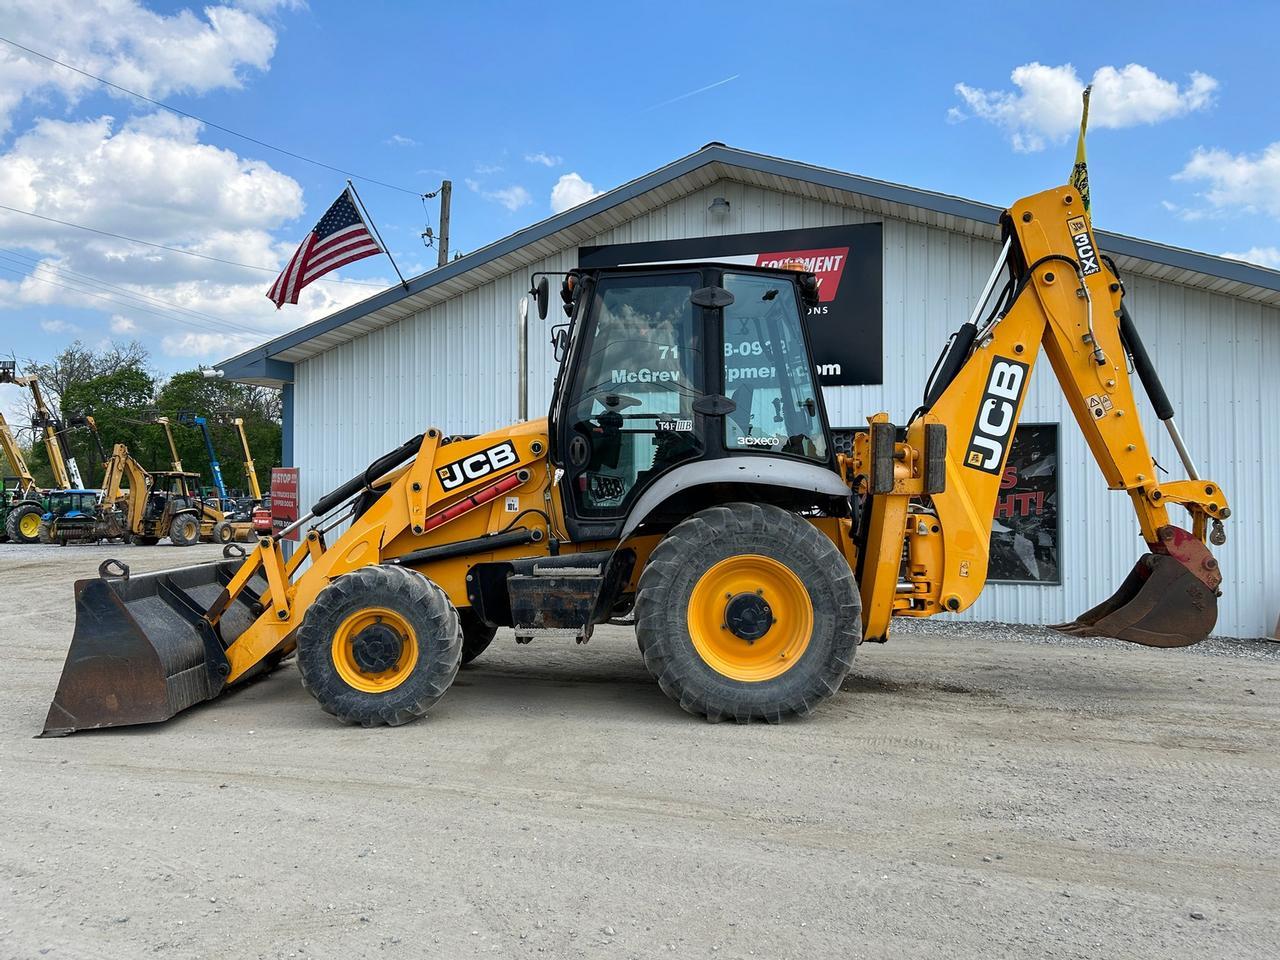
161	246
59	270
115	300
209	123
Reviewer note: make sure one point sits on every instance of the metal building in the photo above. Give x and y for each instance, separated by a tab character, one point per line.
444	353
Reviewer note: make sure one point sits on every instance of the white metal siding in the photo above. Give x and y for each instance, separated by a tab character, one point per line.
454	366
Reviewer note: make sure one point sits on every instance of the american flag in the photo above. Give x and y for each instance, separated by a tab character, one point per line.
341	237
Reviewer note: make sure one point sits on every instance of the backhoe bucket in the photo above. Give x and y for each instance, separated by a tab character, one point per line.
142	651
1169	599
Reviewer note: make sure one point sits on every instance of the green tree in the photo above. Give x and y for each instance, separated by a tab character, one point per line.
109	384
218	401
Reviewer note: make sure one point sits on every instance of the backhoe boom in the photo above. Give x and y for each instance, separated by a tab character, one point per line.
1067	300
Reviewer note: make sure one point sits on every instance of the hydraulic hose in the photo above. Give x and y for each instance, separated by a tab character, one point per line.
383	465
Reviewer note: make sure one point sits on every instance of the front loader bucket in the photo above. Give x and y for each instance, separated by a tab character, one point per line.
141	651
1169	598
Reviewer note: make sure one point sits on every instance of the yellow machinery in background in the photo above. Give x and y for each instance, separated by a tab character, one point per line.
685	473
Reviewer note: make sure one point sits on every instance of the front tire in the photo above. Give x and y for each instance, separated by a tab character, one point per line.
379	646
747	612
185	530
223	532
23	523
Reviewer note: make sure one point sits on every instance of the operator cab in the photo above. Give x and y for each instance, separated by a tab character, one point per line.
664	367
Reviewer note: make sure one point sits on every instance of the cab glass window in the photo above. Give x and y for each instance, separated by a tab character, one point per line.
767	372
630	412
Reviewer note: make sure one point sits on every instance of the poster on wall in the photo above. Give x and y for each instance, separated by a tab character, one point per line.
1024	532
284	499
845	327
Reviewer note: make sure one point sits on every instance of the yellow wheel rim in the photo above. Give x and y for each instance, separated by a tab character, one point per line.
368	640
727	603
29	525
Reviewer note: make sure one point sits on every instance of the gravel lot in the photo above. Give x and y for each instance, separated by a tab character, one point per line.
975	791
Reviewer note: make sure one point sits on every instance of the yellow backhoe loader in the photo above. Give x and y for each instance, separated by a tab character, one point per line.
685	471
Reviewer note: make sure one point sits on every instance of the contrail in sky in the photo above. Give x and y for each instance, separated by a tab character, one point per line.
692	93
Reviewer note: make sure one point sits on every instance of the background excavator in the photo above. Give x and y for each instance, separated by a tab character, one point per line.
686	473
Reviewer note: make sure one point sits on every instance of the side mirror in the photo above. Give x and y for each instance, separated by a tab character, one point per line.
560	343
542	294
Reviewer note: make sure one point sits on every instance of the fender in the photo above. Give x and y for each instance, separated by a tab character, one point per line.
771	471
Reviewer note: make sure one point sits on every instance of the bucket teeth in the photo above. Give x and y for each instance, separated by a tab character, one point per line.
142	651
1160	604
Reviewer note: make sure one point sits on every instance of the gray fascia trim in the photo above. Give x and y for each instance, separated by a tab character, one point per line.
760	163
256	366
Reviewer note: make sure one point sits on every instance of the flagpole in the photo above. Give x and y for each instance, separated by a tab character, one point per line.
369	220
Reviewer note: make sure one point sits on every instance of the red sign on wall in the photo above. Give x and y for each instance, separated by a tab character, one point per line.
284	499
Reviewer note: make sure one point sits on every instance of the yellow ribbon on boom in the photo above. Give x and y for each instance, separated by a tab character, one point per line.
1080	172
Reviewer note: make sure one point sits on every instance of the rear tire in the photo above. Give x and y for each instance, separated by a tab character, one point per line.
14	526
185	530
476	635
774	577
379	646
223	532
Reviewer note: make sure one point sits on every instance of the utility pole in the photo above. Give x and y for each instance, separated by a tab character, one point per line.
446	194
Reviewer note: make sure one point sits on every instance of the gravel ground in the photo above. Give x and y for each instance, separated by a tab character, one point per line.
976	790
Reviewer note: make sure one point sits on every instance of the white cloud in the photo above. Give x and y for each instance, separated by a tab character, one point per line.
58	326
513	197
1045	106
1237	181
1262	256
571	190
126	43
544	159
400	140
487	169
151	178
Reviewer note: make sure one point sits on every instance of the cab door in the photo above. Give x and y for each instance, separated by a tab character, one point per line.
628	414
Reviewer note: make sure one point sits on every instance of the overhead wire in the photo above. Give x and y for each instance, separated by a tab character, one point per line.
121	303
185	253
97	283
209	123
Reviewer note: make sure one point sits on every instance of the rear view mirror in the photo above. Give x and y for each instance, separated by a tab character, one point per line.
542	294
560	343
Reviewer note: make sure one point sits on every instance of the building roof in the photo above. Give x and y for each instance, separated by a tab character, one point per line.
272	362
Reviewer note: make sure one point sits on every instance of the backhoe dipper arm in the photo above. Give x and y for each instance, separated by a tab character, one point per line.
1064	297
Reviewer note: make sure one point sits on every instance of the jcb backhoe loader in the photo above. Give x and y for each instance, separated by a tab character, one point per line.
685	470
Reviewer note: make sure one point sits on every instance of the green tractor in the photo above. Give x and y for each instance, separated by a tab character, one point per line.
20	511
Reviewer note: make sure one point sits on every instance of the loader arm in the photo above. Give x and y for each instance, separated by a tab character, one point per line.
1064	298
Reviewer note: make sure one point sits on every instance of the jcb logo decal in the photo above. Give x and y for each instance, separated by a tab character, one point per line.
993	429
477	465
1085	253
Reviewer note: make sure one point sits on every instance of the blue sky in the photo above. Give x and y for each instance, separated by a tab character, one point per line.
513	102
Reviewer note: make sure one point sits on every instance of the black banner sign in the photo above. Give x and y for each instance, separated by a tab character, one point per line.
1025	531
845	327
